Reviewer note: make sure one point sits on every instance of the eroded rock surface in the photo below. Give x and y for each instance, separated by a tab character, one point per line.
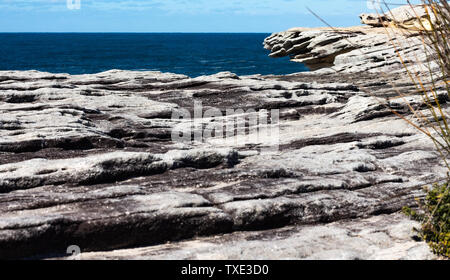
89	160
410	17
351	50
375	238
92	161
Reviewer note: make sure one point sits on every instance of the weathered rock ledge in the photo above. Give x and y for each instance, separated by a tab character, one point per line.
350	50
89	160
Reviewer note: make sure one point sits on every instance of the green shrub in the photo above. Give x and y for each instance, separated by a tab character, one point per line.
434	215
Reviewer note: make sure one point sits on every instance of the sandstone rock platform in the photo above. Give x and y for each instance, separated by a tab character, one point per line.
89	160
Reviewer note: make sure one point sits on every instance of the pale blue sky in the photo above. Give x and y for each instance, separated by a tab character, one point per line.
175	15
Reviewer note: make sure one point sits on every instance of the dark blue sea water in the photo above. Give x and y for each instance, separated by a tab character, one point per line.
190	54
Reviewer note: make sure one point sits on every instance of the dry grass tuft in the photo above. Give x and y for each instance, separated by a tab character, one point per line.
431	80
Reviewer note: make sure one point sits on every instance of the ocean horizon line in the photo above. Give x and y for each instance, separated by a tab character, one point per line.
191	54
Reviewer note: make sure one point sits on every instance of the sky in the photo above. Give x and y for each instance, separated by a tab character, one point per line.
175	15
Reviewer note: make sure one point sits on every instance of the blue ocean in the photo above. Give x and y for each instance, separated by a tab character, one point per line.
190	54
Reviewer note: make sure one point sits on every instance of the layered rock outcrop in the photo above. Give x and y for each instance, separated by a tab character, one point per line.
413	17
343	240
350	50
91	160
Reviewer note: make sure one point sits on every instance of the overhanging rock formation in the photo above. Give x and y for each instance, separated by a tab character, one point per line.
351	50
